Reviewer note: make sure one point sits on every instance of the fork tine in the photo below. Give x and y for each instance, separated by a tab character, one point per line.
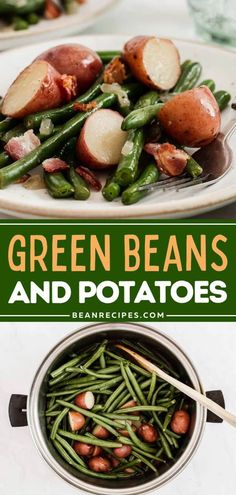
175	184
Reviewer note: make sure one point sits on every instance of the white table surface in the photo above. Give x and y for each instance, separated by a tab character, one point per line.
211	348
169	18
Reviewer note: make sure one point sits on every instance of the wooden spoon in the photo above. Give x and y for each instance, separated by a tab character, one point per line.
190	392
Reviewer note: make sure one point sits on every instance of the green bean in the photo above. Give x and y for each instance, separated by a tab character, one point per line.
223	98
122	417
7	124
108	369
165	446
96	375
135	385
190	75
96	355
138	118
20	24
5	159
57	422
112	189
33	18
127	169
102	361
152	387
63	367
107	56
114	400
52	413
18	130
133	194
145	461
142	408
127	382
209	83
89	440
70	450
193	168
57	185
150	456
14	7
81	189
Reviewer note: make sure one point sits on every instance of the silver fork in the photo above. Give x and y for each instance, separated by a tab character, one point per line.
215	159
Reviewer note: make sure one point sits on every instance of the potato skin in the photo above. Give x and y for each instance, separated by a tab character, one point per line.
180	422
75	60
85	156
133	56
48	96
192	118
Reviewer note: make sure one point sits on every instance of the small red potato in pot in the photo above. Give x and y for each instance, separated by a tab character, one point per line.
75	60
101	140
37	88
180	422
99	464
192	118
148	433
154	62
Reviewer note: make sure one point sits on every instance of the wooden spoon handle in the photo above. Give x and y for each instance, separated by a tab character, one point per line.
189	391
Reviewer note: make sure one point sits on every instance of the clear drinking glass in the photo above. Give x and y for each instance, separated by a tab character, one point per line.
215	19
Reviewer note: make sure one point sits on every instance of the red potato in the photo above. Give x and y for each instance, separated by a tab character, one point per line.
131	403
100	432
153	61
192	118
76	420
37	88
101	140
85	400
99	464
123	451
148	433
75	60
83	449
180	422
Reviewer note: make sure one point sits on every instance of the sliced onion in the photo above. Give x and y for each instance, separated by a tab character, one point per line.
34	182
127	148
46	127
116	89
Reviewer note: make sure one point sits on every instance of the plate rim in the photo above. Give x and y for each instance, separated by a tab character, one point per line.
89	18
207	203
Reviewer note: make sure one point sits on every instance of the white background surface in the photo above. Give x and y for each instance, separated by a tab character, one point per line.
211	348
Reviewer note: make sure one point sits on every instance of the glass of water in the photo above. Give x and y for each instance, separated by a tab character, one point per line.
215	19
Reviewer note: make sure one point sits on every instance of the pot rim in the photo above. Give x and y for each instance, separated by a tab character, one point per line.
94	329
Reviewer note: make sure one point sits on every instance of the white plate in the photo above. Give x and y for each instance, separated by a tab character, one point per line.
65	25
218	64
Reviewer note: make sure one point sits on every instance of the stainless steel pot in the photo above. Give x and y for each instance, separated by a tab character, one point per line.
23	411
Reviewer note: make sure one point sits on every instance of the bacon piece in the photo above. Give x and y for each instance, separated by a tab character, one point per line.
18	147
85	107
89	177
115	72
170	160
51	10
52	165
69	86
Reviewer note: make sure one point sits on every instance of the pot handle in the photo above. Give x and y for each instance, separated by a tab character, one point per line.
218	397
17	410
